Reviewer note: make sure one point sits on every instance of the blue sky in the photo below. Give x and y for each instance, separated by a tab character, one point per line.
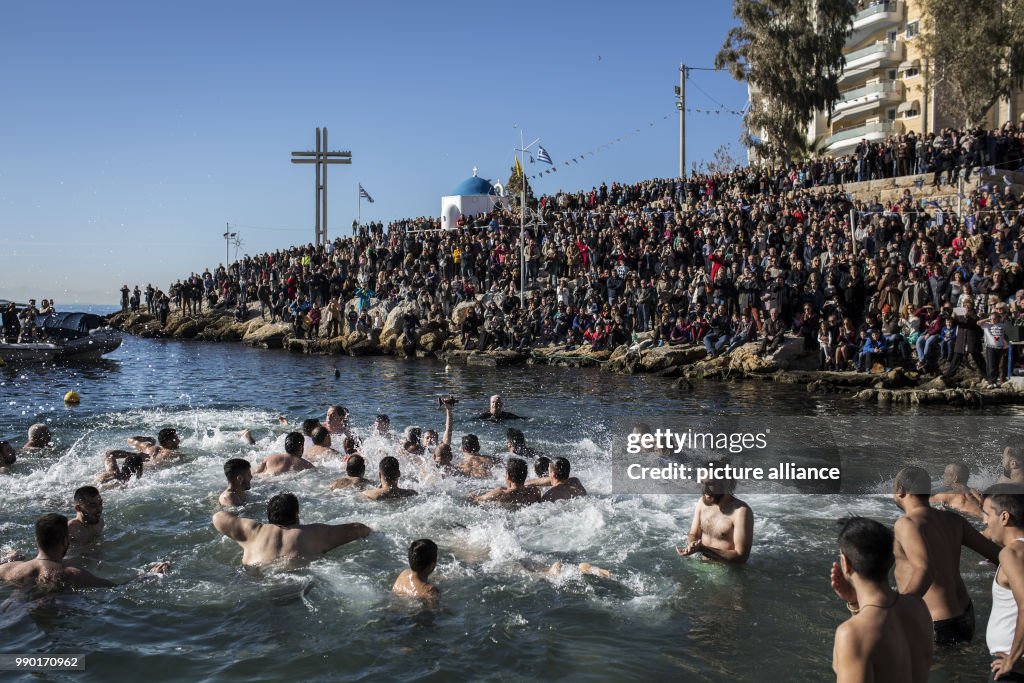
130	133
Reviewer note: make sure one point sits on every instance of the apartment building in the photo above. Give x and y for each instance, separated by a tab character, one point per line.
884	90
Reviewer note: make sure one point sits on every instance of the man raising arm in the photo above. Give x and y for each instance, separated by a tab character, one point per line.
284	538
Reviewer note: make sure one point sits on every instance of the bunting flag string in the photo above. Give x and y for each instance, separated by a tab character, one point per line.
721	111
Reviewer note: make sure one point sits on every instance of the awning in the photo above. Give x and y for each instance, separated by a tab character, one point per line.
909	64
908	106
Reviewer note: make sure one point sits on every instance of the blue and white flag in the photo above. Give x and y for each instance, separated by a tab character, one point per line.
364	194
542	155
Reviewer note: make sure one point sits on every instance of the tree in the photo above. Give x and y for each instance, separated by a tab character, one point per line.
514	189
791	52
974	52
722	161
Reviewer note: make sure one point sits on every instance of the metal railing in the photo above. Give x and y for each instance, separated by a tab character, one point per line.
886	127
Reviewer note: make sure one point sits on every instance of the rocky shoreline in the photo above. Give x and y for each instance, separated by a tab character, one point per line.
687	365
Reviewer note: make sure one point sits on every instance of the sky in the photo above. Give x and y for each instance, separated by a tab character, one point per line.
132	134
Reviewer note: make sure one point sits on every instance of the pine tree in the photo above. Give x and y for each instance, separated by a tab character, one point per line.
792	52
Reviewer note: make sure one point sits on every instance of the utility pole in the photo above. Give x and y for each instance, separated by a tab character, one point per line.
681	106
321	157
228	236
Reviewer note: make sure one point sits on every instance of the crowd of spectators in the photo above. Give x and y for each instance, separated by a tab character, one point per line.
756	254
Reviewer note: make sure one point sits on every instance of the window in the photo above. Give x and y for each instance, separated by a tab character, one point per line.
913	28
891	36
892	74
912	72
891	114
911	113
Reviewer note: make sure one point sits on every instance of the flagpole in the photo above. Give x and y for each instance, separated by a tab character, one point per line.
522	222
360	214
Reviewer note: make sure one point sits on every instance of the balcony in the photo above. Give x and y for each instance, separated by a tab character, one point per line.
867	98
881	15
880	54
843	140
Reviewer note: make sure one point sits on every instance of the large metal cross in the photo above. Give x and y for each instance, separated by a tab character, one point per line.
321	157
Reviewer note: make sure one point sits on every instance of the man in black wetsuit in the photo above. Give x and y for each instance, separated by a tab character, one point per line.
496	413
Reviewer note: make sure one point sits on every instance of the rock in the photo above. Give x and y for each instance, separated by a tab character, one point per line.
266	335
867	395
187	329
884	396
395	323
495	359
684	385
432	340
460	312
661	357
791	356
938	383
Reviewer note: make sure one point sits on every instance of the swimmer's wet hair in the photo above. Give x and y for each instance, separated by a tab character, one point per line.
51	531
309	426
471	443
132	466
293	444
389	469
1007	498
560	468
915	481
542	465
867	544
84	493
283	509
167	438
321	437
355	466
516	470
515	437
236	467
422	554
443	453
963	472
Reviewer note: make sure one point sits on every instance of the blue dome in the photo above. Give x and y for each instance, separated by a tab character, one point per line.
473	185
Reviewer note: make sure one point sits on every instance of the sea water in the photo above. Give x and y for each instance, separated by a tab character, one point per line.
657	616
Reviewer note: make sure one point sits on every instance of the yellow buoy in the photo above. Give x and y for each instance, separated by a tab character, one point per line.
72	398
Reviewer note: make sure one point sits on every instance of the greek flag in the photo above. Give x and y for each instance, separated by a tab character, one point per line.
542	155
363	194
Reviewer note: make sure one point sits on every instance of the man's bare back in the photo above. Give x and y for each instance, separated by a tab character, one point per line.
963	499
384	492
348	482
44	572
314	453
875	645
511	497
564	490
282	463
927	549
411	585
478	466
264	544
